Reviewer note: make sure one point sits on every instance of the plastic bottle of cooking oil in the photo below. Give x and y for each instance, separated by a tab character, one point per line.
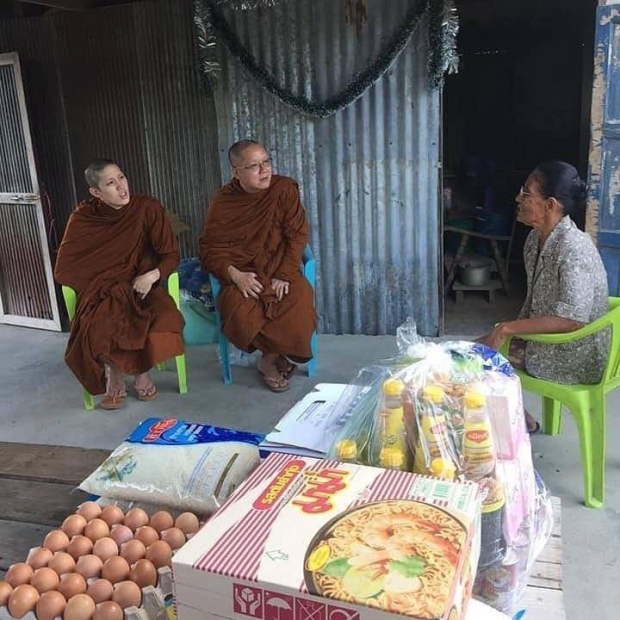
479	454
389	438
433	452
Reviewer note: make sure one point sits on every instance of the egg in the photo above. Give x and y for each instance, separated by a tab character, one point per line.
133	550
112	515
147	535
50	605
56	540
22	600
96	529
89	566
39	557
80	545
62	562
79	607
161	521
100	590
45	579
5	592
19	574
74	525
174	537
136	518
126	594
121	534
115	569
105	548
144	573
109	610
188	523
72	584
159	553
89	510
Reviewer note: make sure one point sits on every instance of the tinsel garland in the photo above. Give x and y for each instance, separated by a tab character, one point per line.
443	27
209	20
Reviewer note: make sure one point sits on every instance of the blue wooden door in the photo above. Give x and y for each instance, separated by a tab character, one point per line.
603	216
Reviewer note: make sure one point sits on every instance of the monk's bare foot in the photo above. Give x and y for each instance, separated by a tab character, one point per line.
144	386
285	367
532	424
270	375
115	392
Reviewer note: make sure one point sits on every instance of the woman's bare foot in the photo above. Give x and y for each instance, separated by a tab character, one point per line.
144	386
531	423
285	367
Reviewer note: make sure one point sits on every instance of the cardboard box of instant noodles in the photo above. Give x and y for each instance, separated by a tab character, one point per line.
308	539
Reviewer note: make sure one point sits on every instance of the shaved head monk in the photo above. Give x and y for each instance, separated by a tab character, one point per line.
116	250
253	241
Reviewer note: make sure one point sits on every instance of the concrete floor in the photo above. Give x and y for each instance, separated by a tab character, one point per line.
40	402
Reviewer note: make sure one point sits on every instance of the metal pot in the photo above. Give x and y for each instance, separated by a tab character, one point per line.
474	272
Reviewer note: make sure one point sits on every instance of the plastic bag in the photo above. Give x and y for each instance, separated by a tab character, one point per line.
456	413
176	464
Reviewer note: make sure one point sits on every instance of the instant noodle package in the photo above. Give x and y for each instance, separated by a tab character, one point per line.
455	413
308	539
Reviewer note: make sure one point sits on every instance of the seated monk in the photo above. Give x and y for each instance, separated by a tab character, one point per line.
253	242
115	251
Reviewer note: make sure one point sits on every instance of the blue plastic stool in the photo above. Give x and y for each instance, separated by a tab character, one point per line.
309	269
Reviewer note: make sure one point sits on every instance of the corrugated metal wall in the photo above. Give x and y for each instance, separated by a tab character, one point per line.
120	83
369	174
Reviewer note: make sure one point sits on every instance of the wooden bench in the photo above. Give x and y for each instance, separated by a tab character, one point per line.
38	490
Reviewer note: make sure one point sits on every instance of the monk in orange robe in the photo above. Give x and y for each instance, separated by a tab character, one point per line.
116	250
253	241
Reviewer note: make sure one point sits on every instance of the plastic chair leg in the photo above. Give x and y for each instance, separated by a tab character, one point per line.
591	425
161	366
89	401
552	416
313	362
225	360
181	373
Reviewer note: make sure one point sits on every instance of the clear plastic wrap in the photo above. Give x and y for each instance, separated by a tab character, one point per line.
178	465
454	410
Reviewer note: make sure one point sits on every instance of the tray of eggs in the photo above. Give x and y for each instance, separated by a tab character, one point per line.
102	564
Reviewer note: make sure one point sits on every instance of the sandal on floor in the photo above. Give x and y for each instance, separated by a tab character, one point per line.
535	430
145	394
285	367
111	403
280	384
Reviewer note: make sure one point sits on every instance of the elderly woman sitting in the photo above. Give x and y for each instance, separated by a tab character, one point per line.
566	283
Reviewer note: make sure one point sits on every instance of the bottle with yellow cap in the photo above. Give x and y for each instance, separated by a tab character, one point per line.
389	442
479	454
346	450
433	445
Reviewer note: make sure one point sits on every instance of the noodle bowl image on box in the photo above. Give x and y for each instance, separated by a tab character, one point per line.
308	539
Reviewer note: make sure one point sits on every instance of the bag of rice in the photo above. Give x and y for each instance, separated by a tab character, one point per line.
177	464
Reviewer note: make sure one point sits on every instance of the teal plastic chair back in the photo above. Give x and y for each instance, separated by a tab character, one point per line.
309	270
586	402
172	285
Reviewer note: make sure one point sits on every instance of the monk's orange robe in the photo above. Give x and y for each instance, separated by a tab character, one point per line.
264	232
103	250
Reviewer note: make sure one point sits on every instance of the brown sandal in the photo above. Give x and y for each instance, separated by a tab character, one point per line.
144	394
111	403
285	368
280	384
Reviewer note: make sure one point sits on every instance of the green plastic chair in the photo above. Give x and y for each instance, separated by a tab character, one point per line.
586	402
172	285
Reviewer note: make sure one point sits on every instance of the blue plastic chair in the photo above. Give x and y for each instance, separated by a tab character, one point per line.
309	270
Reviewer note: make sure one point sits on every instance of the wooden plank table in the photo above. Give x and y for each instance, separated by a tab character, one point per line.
38	490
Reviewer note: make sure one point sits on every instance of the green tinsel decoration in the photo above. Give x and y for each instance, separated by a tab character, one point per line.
208	19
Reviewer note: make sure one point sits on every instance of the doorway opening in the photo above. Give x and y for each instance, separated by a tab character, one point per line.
522	96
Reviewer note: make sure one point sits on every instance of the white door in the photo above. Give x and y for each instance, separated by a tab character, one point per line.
27	292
